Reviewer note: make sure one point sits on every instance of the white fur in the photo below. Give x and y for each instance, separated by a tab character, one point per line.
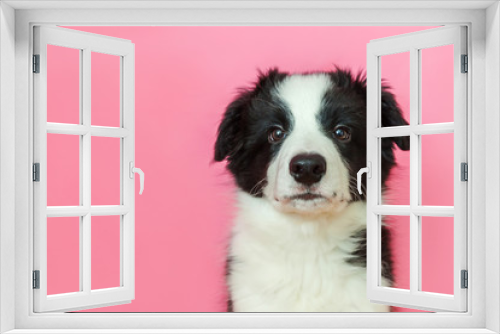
285	262
291	254
303	94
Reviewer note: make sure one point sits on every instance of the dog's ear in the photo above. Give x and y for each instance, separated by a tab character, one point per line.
229	138
392	116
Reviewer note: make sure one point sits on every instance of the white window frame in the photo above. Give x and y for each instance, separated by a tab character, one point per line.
86	44
483	125
414	43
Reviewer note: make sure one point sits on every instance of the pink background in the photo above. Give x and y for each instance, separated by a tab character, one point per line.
185	77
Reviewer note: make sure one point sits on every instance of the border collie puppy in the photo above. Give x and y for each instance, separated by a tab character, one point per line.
294	143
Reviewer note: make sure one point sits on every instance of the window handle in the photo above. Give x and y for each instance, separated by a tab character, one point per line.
368	171
140	172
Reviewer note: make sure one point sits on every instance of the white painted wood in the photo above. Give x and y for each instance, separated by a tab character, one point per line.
77	129
433	211
7	166
470	322
84	166
40	156
256	331
407	210
244	4
78	211
75	301
87	43
461	155
492	163
414	170
127	224
374	198
418	120
422	129
412	43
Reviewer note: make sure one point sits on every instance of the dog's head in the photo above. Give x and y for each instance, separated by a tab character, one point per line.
299	140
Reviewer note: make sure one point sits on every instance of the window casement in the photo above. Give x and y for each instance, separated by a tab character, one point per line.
474	320
86	45
416	44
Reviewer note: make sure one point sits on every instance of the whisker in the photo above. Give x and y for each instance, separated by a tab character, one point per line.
255	188
353	188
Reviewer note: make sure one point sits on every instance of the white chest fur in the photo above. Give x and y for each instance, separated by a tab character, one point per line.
290	263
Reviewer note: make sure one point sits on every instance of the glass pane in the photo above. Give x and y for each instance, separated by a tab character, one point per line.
105	90
395	170
437	254
397	238
63	170
105	171
437	84
437	169
63	255
63	85
395	74
105	250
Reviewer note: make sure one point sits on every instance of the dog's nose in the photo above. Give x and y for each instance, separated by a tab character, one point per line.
308	168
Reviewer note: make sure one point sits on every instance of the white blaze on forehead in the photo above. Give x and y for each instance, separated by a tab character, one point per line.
303	95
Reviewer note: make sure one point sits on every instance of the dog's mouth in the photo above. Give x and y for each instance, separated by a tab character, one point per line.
306	197
308	202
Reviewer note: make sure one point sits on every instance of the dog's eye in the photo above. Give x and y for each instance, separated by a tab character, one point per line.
276	135
342	133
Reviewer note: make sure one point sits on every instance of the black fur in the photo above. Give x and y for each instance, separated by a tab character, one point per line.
345	104
243	132
243	138
229	301
359	255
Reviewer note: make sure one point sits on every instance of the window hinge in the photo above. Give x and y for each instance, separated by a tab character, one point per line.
465	64
36	63
465	279
464	172
36	172
36	279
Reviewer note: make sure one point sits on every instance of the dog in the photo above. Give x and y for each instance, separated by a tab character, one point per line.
294	143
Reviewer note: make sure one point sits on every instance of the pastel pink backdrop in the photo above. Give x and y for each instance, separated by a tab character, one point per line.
185	77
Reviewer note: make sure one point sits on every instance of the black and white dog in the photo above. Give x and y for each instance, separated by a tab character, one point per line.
294	143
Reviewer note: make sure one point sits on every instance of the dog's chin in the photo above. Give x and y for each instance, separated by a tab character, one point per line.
308	204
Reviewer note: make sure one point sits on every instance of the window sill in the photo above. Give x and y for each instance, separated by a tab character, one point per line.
248	331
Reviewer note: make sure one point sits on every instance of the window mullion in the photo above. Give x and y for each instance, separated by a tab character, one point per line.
418	120
81	169
122	171
85	272
414	171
